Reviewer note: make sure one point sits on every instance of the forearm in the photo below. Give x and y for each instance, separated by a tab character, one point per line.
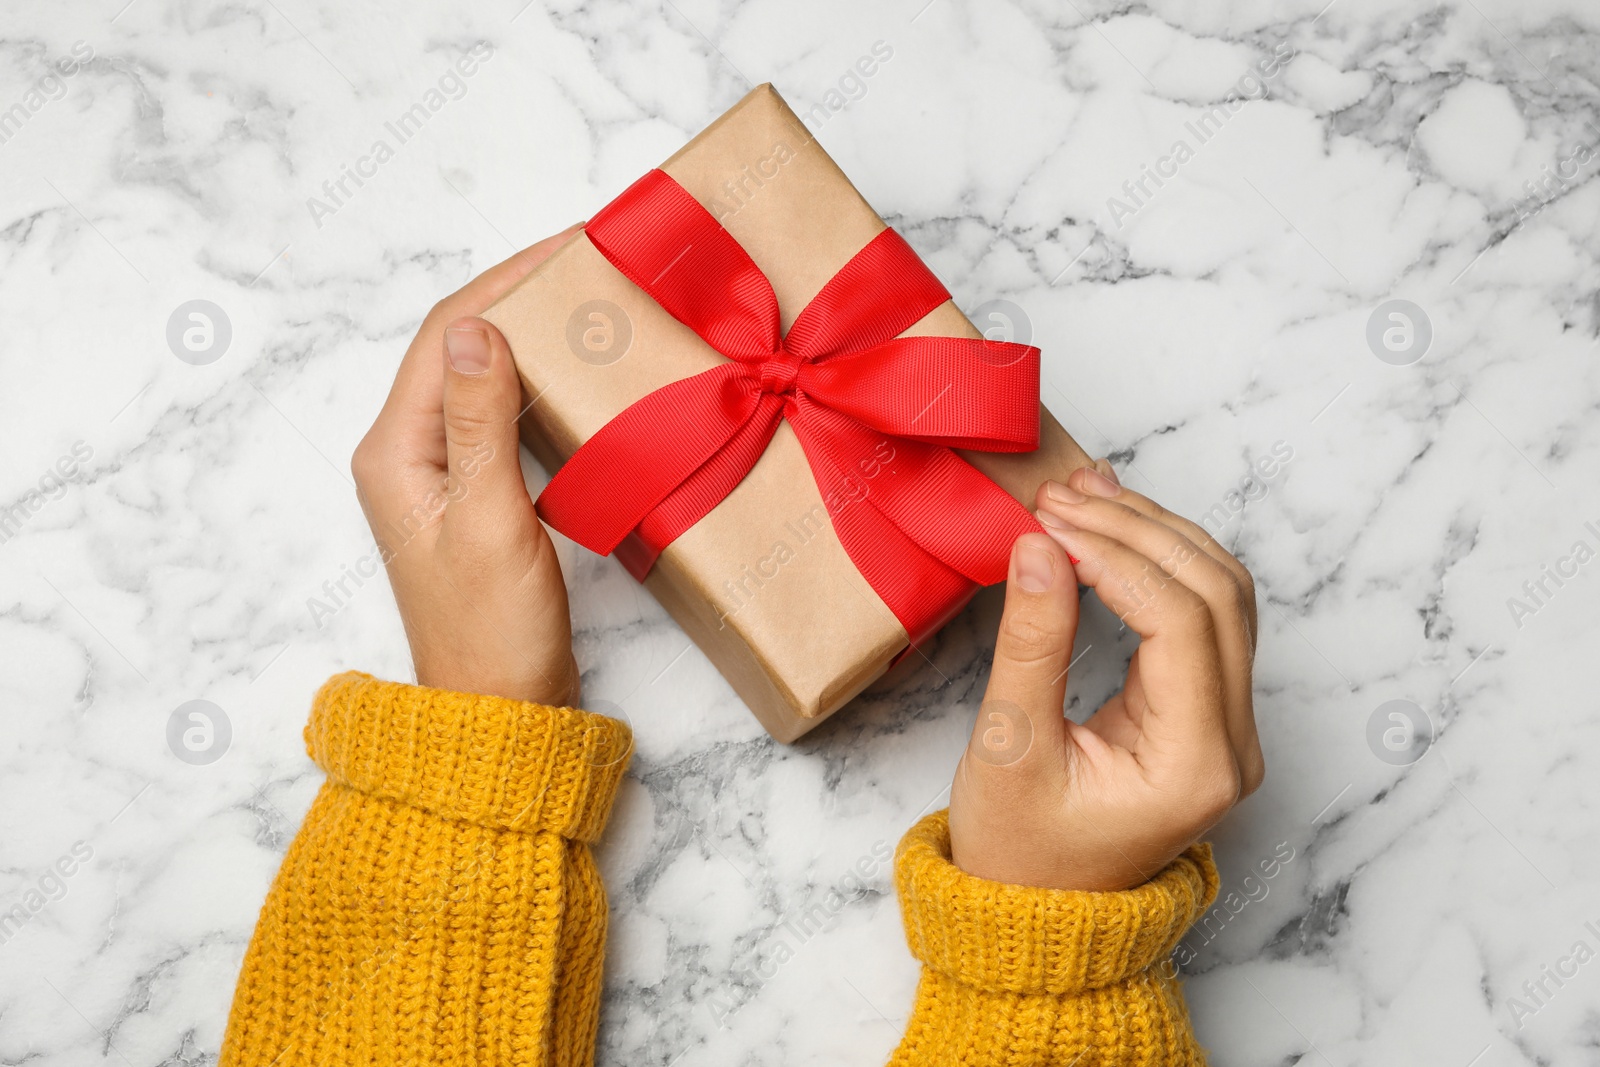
439	903
1022	976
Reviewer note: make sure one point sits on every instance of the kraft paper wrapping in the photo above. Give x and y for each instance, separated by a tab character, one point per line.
761	584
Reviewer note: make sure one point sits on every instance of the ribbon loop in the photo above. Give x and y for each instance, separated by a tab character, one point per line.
955	391
664	242
882	292
876	413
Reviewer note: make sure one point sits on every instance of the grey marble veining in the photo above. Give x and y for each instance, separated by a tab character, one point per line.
1201	214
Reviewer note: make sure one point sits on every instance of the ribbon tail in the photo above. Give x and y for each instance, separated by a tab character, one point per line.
920	590
702	490
937	500
639	458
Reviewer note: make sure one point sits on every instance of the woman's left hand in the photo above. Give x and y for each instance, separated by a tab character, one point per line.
1041	800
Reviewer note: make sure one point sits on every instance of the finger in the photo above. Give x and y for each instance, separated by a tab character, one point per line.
1194	531
1178	557
487	500
1110	510
1022	708
417	394
1184	720
1241	721
401	461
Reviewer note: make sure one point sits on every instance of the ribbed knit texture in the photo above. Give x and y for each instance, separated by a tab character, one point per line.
440	907
439	904
1023	976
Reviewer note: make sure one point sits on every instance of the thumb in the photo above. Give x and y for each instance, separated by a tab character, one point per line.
482	399
1022	708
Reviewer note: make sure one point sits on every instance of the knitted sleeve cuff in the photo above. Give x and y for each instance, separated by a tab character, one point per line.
505	764
1021	939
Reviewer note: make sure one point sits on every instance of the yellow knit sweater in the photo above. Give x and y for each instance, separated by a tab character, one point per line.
440	906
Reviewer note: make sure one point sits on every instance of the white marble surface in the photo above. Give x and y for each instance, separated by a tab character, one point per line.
1186	333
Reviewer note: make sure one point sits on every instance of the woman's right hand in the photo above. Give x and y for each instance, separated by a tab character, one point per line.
1039	800
439	477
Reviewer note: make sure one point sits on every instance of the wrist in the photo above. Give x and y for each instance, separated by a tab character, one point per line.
1012	863
555	684
1041	851
1062	844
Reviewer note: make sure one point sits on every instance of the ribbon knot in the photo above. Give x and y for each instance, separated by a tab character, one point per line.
878	416
779	371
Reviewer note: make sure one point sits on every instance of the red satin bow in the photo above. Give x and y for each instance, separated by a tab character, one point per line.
877	414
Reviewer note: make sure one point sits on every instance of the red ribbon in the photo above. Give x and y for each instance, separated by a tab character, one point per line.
877	414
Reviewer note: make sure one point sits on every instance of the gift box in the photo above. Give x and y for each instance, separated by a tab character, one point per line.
810	489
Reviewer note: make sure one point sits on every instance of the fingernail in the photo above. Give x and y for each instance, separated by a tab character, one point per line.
1036	566
468	350
1052	520
1062	493
1098	484
1103	465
